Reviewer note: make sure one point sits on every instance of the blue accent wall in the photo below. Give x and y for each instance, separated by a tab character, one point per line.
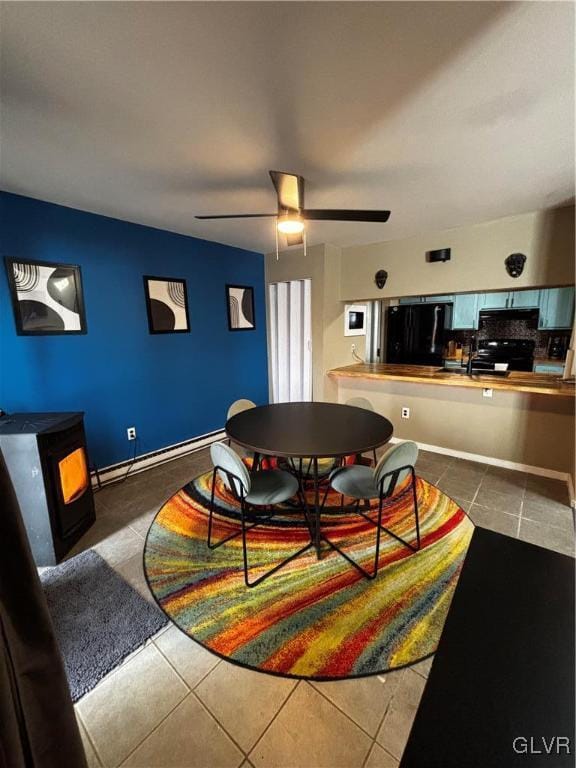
171	387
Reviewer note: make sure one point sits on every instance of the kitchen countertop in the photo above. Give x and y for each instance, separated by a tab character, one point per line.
517	381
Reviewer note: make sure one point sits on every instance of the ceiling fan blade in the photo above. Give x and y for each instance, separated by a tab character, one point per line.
342	214
296	239
240	216
289	188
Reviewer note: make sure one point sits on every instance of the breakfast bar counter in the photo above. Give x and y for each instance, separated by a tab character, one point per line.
515	381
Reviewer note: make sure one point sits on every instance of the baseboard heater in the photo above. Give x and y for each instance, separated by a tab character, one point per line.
115	472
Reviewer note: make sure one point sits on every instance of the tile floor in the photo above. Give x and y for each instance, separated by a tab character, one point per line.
173	704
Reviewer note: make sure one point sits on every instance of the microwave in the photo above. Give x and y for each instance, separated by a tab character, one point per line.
355	320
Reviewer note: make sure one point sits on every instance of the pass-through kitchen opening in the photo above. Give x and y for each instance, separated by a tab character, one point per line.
492	332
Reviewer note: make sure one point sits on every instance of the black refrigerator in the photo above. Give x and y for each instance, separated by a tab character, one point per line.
415	333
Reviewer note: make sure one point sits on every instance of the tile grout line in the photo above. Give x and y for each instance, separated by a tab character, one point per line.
521	512
265	731
127	660
377	744
190	687
384	717
347	715
90	740
374	739
118	765
219	724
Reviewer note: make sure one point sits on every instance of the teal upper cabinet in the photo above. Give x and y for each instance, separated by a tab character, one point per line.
438	299
496	300
426	299
465	311
556	308
524	299
509	300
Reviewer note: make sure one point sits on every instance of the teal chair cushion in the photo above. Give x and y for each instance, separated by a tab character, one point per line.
362	482
356	481
261	488
271	486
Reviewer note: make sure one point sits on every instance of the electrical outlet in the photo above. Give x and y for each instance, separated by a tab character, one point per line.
487	392
131	432
405	413
353	347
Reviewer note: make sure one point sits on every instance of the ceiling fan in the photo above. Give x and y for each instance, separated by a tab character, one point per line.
291	215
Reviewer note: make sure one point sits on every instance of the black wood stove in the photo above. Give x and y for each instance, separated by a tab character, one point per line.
47	460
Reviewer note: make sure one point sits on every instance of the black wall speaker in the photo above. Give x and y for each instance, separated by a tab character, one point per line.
441	254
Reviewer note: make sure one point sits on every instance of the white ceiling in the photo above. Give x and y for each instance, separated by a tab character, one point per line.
445	113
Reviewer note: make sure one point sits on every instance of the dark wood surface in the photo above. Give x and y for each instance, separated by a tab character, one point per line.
309	429
505	663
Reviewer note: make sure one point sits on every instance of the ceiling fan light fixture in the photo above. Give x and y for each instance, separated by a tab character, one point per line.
290	224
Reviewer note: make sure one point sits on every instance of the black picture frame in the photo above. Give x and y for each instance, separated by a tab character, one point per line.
233	317
30	283
157	316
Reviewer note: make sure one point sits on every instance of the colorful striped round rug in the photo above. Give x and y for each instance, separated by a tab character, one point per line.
312	619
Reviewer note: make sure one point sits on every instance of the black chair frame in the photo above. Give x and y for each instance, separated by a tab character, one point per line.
394	474
247	515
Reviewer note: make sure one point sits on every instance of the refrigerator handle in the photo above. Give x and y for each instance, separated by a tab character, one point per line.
437	312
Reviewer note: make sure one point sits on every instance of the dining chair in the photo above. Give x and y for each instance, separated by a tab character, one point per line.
365	483
237	407
363	402
254	491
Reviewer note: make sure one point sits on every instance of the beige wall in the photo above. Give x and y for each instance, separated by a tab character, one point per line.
535	430
330	348
477	263
337	347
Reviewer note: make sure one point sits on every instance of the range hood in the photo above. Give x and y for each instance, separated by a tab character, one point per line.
530	316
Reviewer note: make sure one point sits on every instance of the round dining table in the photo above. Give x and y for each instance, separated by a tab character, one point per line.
309	431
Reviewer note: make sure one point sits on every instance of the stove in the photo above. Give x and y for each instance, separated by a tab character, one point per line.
518	353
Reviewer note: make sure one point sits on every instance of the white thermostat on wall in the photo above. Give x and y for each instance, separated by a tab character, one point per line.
355	320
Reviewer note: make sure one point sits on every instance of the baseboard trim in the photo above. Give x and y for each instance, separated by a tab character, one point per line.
115	472
541	471
571	491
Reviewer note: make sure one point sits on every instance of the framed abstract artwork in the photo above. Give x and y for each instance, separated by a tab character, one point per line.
166	304
240	303
46	297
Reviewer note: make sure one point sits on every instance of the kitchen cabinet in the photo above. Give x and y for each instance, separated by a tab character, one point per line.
557	368
524	299
556	308
465	311
445	298
509	300
496	300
